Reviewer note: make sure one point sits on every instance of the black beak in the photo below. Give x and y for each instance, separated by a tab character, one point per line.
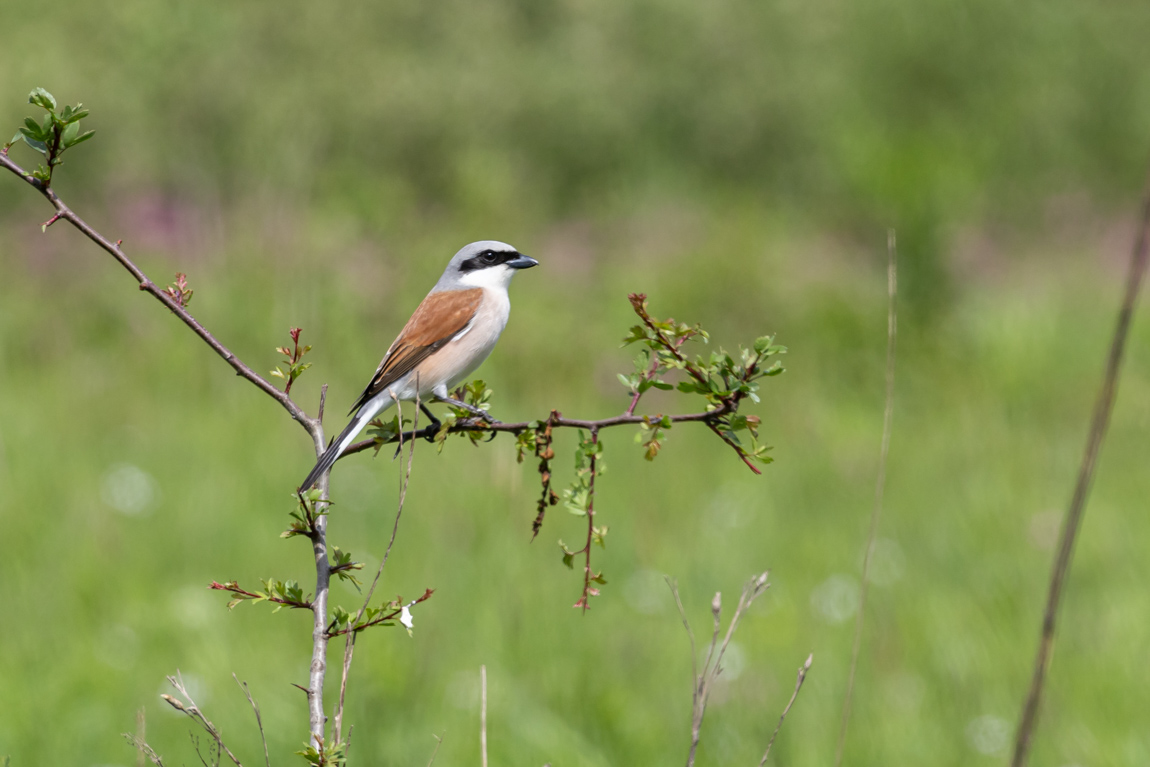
522	262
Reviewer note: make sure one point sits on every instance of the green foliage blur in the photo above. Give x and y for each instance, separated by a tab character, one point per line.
314	165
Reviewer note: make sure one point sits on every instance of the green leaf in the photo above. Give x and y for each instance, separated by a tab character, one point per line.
77	115
763	343
42	98
81	138
662	385
47	127
69	135
33	128
35	143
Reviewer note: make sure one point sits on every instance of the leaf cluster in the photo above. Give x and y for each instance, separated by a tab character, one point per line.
722	379
344	621
280	593
588	464
310	506
478	395
180	292
58	131
293	360
324	755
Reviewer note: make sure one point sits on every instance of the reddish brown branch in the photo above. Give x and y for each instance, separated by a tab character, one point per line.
233	588
333	632
588	592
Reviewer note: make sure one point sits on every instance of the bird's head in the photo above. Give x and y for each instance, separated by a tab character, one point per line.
485	264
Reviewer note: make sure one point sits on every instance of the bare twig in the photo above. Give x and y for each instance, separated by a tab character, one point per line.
483	715
349	642
117	252
1099	423
259	720
702	682
880	482
193	712
803	669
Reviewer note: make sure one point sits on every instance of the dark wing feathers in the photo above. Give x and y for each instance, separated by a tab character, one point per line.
440	318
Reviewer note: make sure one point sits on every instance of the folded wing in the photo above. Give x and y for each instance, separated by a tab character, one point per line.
442	317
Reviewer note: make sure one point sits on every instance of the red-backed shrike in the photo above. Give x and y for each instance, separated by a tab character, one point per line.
448	337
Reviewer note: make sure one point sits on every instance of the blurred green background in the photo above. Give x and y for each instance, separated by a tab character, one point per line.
316	164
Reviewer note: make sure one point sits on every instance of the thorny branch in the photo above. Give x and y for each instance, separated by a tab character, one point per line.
175	300
161	295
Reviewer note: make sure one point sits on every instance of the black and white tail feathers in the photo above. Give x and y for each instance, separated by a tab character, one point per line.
336	448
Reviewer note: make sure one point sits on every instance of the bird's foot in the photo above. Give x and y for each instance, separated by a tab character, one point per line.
476	412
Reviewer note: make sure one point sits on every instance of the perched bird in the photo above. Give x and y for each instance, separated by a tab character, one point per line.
449	335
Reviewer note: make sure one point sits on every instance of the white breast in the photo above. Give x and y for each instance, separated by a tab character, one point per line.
459	358
476	342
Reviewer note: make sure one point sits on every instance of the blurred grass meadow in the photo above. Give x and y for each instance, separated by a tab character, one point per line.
316	164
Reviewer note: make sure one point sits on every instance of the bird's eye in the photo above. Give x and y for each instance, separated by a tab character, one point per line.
488	257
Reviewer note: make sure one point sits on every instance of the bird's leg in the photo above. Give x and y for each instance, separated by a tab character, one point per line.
435	422
480	414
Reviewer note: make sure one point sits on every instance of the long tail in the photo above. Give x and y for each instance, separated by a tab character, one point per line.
369	410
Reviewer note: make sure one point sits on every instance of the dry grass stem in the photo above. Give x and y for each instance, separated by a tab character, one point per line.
879	485
1103	407
139	744
438	743
259	720
349	641
483	714
703	682
189	707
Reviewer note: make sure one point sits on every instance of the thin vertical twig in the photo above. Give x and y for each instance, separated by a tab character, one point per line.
1103	407
259	720
349	641
803	669
483	714
880	482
